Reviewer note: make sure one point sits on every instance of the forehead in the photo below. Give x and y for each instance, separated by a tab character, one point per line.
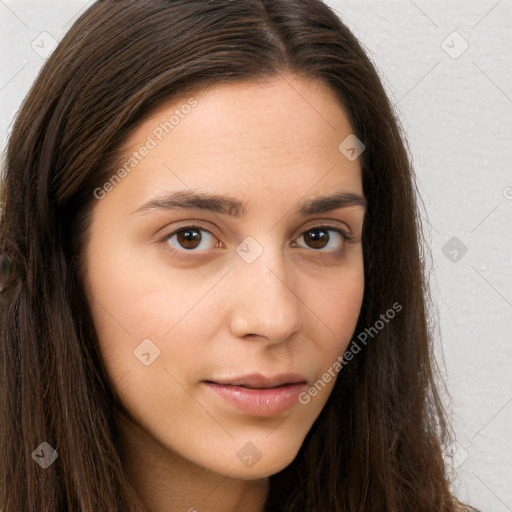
283	114
249	136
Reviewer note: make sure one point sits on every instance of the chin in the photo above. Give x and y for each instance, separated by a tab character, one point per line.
259	459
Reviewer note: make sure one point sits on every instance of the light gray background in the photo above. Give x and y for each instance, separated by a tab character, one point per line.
455	104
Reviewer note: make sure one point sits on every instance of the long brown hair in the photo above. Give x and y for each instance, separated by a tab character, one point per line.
378	443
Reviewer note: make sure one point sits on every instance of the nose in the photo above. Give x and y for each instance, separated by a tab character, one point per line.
264	301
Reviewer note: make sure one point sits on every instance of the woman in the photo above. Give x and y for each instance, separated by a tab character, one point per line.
214	295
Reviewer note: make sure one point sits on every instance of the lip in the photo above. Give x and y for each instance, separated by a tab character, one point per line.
259	395
261	381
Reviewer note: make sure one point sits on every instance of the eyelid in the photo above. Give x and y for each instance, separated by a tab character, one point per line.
331	224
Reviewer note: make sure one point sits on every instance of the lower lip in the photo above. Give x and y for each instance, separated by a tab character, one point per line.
260	402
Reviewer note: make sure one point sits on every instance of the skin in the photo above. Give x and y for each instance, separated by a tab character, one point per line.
210	312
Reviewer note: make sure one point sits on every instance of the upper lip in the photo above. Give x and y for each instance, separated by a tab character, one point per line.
260	381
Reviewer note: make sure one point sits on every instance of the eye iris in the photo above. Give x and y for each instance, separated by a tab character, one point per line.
186	238
318	238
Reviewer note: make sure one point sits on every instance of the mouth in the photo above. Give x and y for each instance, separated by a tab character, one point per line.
259	381
258	395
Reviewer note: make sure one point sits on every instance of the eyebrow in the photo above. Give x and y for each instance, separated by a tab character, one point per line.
228	205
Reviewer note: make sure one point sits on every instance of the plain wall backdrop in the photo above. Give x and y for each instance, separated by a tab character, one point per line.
447	67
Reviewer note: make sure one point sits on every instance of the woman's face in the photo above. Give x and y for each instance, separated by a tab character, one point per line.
195	299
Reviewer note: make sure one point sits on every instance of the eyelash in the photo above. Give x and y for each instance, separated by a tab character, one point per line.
186	253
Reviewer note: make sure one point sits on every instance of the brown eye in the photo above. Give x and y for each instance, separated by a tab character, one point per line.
190	238
316	238
324	237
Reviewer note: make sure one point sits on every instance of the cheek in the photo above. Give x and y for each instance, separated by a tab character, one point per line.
337	307
145	330
130	303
